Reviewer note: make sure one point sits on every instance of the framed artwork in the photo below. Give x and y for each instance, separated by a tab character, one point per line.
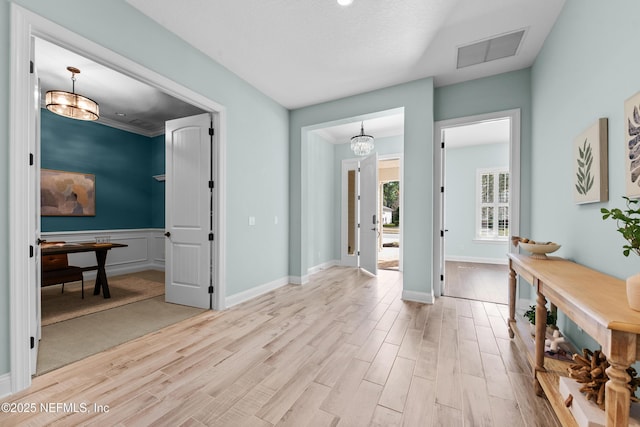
632	145
67	193
590	164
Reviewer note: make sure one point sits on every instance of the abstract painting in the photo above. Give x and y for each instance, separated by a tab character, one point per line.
67	193
590	164
632	145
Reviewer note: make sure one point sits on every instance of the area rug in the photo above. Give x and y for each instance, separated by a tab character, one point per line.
388	264
57	306
65	342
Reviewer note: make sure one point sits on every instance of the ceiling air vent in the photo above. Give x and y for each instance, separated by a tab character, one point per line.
489	50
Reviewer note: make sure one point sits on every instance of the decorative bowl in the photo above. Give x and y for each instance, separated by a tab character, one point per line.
538	250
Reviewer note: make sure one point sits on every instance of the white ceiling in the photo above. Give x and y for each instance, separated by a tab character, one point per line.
145	108
302	52
489	132
379	127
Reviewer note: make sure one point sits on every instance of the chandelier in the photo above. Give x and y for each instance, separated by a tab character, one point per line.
70	104
362	144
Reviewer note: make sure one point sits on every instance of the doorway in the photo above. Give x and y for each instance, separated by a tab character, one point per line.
332	183
25	27
476	204
390	185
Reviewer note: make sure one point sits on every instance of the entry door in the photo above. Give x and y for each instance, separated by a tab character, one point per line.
369	221
188	211
35	328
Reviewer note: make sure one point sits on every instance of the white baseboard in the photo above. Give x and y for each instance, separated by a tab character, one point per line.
318	268
478	260
5	385
243	296
299	280
415	296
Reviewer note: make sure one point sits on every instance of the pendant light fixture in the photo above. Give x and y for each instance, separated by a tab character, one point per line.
70	104
362	144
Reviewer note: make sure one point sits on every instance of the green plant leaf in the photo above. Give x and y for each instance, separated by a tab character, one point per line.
628	225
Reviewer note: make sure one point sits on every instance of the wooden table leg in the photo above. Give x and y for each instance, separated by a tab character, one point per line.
621	352
541	329
101	278
512	299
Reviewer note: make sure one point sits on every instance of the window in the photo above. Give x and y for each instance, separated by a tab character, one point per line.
493	204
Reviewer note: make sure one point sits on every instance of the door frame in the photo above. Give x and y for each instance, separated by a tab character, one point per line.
438	181
348	164
25	25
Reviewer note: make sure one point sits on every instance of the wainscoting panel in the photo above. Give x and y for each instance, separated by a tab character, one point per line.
145	249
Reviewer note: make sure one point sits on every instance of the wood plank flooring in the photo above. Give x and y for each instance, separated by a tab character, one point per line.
343	350
482	282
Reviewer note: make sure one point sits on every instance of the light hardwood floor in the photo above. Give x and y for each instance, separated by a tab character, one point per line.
482	282
342	350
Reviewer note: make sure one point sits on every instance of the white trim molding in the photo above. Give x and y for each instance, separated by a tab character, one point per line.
438	182
325	265
478	260
254	292
299	280
416	296
144	251
24	26
5	385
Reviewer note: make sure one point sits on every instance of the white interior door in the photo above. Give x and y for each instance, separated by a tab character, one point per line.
188	211
35	328
369	220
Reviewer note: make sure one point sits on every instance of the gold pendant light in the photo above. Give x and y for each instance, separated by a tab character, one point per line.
70	104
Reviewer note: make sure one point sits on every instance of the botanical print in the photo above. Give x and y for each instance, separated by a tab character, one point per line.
585	161
632	145
67	193
590	164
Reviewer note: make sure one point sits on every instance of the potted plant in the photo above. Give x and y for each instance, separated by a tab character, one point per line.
530	314
628	221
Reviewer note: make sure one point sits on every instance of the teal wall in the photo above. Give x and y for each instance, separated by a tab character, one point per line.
121	162
417	99
586	70
257	178
461	166
157	187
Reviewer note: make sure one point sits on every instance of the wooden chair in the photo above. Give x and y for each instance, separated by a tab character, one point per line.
56	270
